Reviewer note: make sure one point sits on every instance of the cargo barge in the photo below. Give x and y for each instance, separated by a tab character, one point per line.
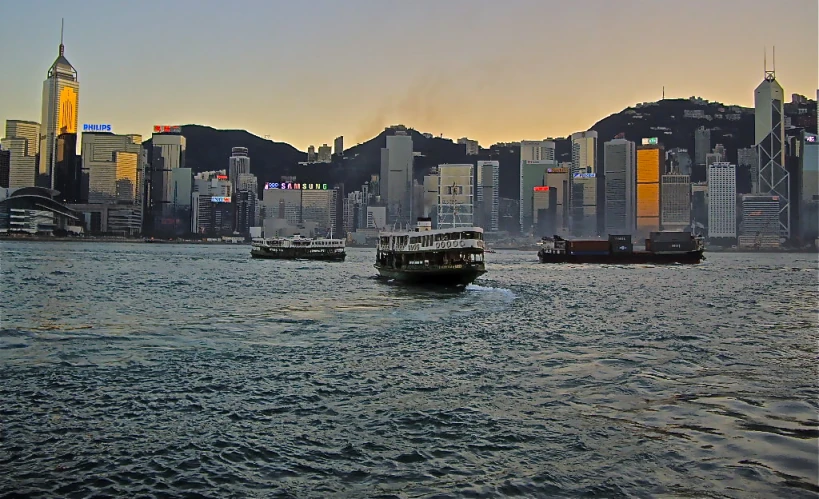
661	248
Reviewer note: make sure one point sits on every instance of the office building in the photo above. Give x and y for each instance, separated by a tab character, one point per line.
238	164
535	157
675	195
5	162
311	154
809	192
22	141
558	179
720	149
584	152
396	177
760	222
430	206
702	144
748	157
680	161
455	196
650	159
167	153
68	170
109	165
61	91
486	196
769	134
619	163
722	201
338	146
544	203
472	148
699	207
583	202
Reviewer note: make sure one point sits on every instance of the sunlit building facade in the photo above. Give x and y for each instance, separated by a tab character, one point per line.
650	159
22	140
722	201
455	196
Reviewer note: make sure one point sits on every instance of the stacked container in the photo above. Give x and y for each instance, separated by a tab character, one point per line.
588	247
621	243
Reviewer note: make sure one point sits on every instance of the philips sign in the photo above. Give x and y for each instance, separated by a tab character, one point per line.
96	128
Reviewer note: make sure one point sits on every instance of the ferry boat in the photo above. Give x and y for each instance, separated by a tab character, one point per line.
299	248
661	248
426	256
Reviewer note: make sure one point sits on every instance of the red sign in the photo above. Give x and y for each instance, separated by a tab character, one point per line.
221	177
541	188
167	129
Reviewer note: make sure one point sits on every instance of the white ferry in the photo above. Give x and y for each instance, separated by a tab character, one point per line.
426	256
299	248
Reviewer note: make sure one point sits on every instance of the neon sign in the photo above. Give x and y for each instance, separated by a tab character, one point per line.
557	170
221	177
96	128
220	199
810	138
167	129
295	186
542	188
585	175
650	141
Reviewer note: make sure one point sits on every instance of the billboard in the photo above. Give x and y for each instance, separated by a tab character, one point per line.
221	177
220	199
96	128
295	186
167	129
541	188
651	141
557	170
585	175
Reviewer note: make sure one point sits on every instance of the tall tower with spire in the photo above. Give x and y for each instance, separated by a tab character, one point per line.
61	95
770	138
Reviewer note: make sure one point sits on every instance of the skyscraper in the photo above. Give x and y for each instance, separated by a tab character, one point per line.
109	168
61	91
769	126
325	154
583	194
338	146
68	169
311	154
702	144
809	197
486	196
455	196
22	140
238	164
620	186
675	195
396	177
584	152
167	154
535	157
722	201
649	169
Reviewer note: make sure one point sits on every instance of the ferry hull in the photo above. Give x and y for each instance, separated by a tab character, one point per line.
297	254
637	257
438	277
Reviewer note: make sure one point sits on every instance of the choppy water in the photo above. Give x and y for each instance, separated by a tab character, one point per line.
169	370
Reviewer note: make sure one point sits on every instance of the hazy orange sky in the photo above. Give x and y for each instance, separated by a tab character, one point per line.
306	72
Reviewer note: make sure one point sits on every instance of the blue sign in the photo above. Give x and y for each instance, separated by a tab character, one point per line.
220	199
584	175
96	128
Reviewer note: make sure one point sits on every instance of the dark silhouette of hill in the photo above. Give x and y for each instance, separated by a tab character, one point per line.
209	149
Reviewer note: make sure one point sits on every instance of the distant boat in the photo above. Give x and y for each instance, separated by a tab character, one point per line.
426	256
661	248
299	248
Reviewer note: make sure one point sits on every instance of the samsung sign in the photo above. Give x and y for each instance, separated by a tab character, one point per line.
96	128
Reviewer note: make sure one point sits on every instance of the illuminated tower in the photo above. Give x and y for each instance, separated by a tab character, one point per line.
61	92
770	137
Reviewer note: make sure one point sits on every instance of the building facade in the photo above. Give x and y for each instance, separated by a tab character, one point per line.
759	227
396	177
456	199
675	195
722	201
650	159
769	134
486	196
535	157
22	140
619	162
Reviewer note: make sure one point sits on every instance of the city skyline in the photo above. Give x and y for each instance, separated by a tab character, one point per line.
437	83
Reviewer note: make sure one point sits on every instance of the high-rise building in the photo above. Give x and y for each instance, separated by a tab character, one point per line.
68	170
769	126
584	152
238	164
396	177
544	204
167	154
809	195
472	146
455	196
61	94
702	144
311	154
649	168
338	146
430	208
722	201
619	163
5	163
760	222
558	179
583	201
325	154
675	194
486	196
22	140
535	157
748	157
680	161
109	168
720	149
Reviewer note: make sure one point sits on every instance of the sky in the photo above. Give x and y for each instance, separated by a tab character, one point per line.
304	72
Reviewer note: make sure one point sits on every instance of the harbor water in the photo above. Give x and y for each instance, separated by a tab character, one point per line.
194	371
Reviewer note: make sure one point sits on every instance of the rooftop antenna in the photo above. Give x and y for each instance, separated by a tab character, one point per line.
663	92
62	28
769	75
774	59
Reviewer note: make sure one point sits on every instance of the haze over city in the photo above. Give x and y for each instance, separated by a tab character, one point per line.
304	73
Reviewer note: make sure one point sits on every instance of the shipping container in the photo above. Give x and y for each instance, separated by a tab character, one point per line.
620	238
662	246
668	237
648	244
589	245
622	247
588	253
